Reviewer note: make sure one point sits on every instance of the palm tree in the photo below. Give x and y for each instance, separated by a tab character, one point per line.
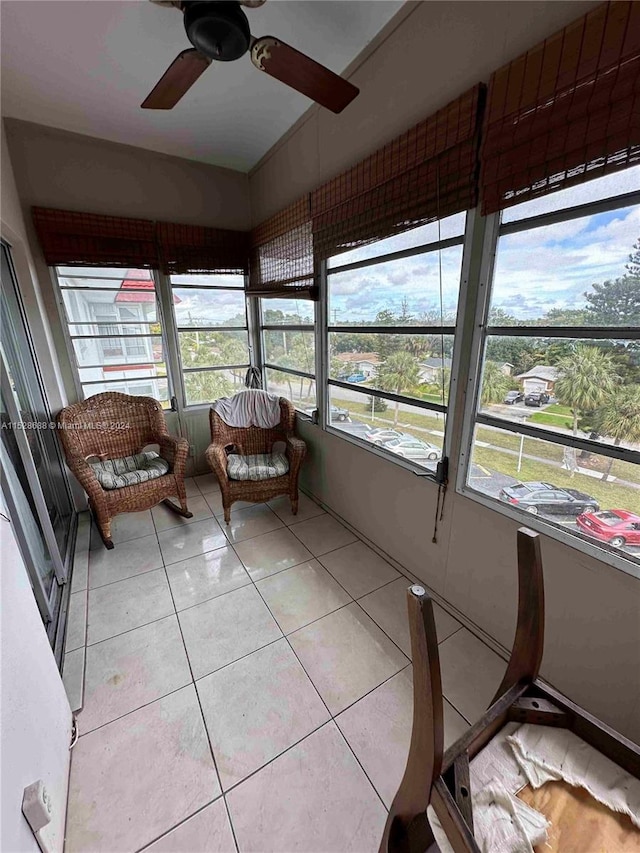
619	418
586	378
494	383
399	373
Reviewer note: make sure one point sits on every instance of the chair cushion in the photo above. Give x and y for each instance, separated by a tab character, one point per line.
129	470
261	466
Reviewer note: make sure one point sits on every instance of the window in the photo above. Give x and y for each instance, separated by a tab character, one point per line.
213	341
554	431
392	308
115	330
289	351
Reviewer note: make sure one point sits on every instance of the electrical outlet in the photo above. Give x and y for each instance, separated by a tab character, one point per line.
36	805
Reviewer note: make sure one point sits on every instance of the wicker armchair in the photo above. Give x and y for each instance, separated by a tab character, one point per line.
113	425
247	442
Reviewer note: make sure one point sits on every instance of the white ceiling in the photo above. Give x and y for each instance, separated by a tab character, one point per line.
87	65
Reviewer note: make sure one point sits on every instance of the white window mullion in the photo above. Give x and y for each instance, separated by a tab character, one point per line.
322	348
482	256
170	337
535	307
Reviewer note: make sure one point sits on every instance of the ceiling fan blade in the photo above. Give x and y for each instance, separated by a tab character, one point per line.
302	73
176	80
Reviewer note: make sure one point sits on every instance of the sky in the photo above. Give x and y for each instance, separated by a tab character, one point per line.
553	266
536	270
358	295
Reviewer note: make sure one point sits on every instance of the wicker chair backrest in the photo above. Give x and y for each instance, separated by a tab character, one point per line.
110	425
252	440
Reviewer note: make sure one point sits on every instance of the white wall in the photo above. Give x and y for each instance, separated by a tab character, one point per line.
430	53
427	55
35	718
55	168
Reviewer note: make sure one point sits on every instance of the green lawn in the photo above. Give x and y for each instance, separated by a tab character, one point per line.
405	419
557	416
609	495
605	492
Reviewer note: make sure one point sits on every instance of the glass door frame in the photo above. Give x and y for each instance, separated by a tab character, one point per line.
46	602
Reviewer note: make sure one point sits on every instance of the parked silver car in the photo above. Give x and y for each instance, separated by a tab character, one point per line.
413	448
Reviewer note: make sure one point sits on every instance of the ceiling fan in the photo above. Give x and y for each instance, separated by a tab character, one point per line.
219	30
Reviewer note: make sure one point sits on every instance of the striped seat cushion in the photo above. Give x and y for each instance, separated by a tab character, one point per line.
261	466
129	470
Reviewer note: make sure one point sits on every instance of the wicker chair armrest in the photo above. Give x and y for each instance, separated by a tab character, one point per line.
217	461
85	475
296	447
296	451
175	451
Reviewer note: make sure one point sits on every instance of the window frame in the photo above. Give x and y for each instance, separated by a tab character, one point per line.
455	331
472	416
166	286
69	339
265	365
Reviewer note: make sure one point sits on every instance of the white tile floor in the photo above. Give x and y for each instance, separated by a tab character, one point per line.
246	687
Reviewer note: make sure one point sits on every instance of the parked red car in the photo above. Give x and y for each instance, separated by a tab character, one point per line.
618	527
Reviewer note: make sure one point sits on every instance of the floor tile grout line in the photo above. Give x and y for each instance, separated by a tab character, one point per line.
180	823
195	687
373	690
276	757
252	581
382	586
402	651
193	681
331	716
332	550
129	630
277	572
360	765
356	601
129	577
233	829
237	660
137	708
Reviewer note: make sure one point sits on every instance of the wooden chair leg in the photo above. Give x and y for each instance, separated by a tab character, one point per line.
458	833
407	828
528	646
294	502
103	523
179	510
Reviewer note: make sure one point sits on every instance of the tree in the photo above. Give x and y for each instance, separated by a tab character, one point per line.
205	386
377	404
500	317
586	378
619	418
522	353
633	267
399	373
615	303
565	317
494	383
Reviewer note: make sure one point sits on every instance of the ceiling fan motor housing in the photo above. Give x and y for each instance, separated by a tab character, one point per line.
219	30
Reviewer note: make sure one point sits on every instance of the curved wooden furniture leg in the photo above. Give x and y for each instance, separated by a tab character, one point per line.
528	646
102	521
179	510
407	828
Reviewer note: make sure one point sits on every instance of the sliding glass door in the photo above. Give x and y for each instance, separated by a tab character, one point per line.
34	483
